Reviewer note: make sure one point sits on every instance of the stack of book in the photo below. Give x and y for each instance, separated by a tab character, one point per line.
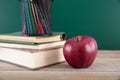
32	52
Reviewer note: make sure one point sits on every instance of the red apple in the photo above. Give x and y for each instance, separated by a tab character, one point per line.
80	51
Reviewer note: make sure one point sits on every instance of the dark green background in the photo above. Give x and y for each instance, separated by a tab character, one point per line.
97	18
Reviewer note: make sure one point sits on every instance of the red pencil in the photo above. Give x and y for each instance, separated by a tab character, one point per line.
39	25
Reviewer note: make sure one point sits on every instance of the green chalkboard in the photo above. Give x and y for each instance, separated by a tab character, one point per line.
97	18
10	19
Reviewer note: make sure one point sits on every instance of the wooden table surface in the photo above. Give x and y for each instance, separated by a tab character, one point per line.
105	67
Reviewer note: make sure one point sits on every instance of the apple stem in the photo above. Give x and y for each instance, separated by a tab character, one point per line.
78	38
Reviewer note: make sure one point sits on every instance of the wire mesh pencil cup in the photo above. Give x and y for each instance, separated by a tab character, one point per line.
36	17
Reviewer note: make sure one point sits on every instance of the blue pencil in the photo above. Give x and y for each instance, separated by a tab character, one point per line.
26	21
29	26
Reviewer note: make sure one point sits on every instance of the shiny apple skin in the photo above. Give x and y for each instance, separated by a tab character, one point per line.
80	51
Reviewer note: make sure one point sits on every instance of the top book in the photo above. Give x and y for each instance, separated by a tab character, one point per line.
18	37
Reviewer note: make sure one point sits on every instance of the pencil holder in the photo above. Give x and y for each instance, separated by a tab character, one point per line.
36	17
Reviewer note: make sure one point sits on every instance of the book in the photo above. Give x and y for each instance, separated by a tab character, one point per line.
30	58
18	37
45	46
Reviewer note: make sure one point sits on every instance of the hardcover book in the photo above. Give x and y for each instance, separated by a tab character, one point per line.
32	58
